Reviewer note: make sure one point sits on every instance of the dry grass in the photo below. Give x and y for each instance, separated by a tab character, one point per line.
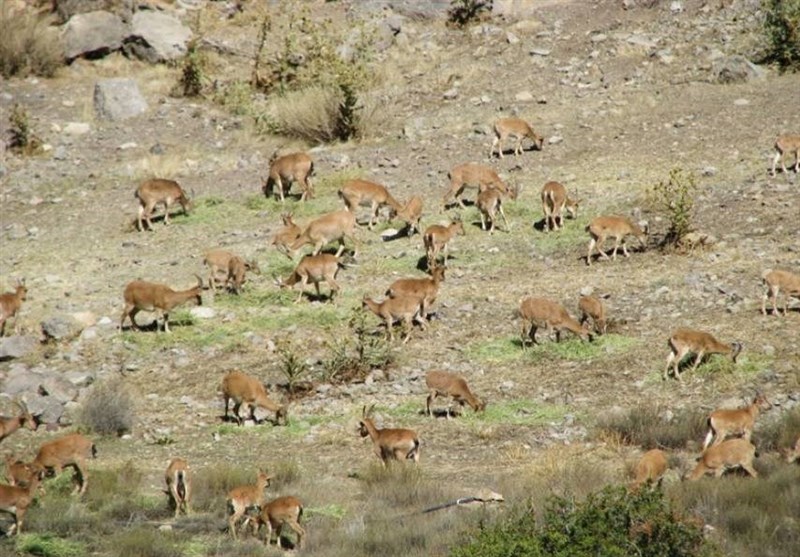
28	43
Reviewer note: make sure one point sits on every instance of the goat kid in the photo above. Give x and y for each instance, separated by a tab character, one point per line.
618	228
179	485
515	128
775	281
443	383
684	341
554	202
314	269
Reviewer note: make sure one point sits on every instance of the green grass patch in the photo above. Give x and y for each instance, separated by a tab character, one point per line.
336	512
509	349
47	545
517	412
715	365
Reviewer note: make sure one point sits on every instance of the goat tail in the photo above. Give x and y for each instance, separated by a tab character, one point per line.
94	450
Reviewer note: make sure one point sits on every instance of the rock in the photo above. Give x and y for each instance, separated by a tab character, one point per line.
736	69
450	94
58	388
554	140
676	7
414	9
67	9
26	382
513	9
741	102
538	51
202	312
79	378
47	409
16	346
60	154
157	37
61	327
511	38
85	318
92	34
118	99
76	128
640	40
524	96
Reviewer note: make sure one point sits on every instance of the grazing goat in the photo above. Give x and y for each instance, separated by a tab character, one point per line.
274	515
489	203
297	167
286	236
540	312
786	145
593	307
10	425
649	468
733	453
405	309
775	281
449	384
362	192
10	304
437	238
701	343
245	497
248	391
389	444
554	202
15	501
613	227
233	267
19	472
338	225
179	485
314	269
724	422
410	213
71	450
155	191
424	289
471	175
516	128
140	295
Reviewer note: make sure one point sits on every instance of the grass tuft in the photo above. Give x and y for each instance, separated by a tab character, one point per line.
47	545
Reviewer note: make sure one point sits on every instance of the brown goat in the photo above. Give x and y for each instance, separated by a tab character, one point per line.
733	453
724	422
786	145
424	289
248	391
684	341
437	237
775	281
10	304
19	472
242	498
405	309
516	128
338	225
650	468
274	515
449	384
489	203
314	269
618	228
71	450
179	485
471	175
554	202
355	193
411	214
286	236
389	444
10	425
540	312
150	296
232	266
296	167
15	501
593	307
157	191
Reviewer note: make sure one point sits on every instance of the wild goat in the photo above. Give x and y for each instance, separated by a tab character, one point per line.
775	281
424	289
389	444
232	266
274	515
554	202
10	425
10	303
449	384
786	145
410	213
140	295
724	422
71	450
156	191
362	192
405	309
489	203
593	307
437	238
540	312
297	167
733	453
471	175
179	485
516	128
613	227
314	269
15	501
701	343
650	468
338	225
242	498
19	472
286	236
248	391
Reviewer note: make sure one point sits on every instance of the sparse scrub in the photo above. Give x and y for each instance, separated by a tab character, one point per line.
782	32
352	357
292	365
779	434
193	72
210	485
47	545
145	542
109	409
403	486
465	12
22	140
28	44
648	427
676	197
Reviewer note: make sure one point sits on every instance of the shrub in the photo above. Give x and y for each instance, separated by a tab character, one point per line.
109	408
293	366
47	545
782	30
193	72
28	45
647	426
210	485
675	197
353	356
22	140
144	542
464	12
779	434
611	522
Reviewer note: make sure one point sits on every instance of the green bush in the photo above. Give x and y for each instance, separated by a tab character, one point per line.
464	12
47	545
782	30
613	523
109	408
351	357
675	197
193	72
22	139
28	45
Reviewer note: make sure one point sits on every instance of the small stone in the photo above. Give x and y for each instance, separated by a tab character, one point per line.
555	140
539	51
511	38
524	96
676	7
203	312
450	94
741	102
77	128
128	145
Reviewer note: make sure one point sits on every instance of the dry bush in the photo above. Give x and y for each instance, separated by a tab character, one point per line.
109	409
211	485
28	44
648	427
779	434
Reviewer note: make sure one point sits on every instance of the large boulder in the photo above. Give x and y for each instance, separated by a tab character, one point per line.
736	69
66	9
118	99
93	34
16	346
46	409
61	327
157	37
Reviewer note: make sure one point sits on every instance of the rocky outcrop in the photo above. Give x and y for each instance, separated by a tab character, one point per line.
157	37
118	99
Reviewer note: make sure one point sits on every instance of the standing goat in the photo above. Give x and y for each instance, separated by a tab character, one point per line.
156	191
389	444
437	238
733	453
724	422
15	501
684	341
515	128
471	175
179	485
296	167
449	384
540	312
150	296
618	228
71	450
338	225
489	203
10	304
314	269
10	425
593	307
554	202
286	236
233	267
274	515
775	281
248	391
649	468
410	213
355	193
406	309
423	289
786	145
245	497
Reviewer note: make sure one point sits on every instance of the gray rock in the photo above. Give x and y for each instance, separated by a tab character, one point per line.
16	346
61	327
450	94
59	389
524	96
736	69
157	37
47	409
77	128
203	312
92	34
79	378
118	99
67	9
539	51
414	9
60	154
